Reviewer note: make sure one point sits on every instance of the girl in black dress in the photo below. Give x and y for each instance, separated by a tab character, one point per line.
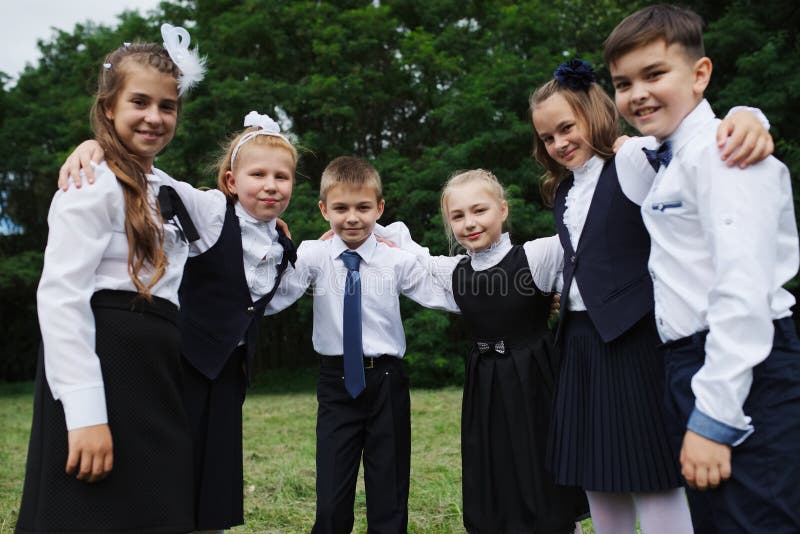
504	292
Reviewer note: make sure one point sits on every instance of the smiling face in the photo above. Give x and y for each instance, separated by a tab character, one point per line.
475	215
657	85
562	132
145	111
352	212
262	180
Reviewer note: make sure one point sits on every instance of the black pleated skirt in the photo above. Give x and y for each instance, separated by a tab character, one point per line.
505	419
214	408
149	489
608	431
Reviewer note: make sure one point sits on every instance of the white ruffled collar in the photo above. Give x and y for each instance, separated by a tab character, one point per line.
589	170
491	256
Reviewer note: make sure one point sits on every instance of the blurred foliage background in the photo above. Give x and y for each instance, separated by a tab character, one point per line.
420	88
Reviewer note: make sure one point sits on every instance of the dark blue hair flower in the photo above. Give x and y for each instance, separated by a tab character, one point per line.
575	74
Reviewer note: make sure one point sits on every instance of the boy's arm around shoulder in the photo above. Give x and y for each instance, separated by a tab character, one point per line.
297	279
741	213
423	283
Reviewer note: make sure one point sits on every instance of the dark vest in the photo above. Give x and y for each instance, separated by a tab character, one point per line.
610	263
216	309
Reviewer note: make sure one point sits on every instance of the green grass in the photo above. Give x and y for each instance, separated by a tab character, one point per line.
279	422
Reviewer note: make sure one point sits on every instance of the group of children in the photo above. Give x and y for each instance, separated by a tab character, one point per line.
675	361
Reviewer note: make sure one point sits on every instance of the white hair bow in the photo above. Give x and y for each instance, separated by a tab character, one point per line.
265	125
191	65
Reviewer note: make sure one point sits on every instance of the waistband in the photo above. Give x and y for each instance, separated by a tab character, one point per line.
370	362
785	329
133	302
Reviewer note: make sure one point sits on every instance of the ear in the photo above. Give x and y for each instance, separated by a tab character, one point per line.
231	181
323	210
504	210
702	75
381	205
108	113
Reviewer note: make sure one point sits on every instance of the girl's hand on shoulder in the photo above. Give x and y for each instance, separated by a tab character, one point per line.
81	159
743	139
387	242
619	142
90	452
326	236
280	223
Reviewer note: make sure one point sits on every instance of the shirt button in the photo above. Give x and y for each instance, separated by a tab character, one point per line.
660	321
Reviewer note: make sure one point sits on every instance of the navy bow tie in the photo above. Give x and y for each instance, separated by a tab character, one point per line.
660	156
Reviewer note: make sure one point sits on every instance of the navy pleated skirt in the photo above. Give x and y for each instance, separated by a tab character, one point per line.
149	490
608	431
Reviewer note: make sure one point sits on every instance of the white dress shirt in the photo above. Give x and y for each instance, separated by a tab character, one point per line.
724	241
545	257
87	250
386	273
260	248
579	199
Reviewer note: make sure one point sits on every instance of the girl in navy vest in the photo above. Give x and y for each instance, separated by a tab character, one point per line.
232	272
108	405
608	434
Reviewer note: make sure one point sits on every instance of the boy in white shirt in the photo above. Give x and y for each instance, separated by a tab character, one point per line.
363	395
724	241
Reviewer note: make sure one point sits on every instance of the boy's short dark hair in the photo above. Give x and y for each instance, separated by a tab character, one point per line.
352	171
669	23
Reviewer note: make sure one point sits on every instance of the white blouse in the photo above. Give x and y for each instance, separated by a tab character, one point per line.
87	250
579	199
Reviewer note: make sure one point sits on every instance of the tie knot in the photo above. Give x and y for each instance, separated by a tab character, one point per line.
660	156
351	260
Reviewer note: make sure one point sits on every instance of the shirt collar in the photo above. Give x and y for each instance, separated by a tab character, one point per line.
589	170
154	178
690	125
491	256
246	217
366	250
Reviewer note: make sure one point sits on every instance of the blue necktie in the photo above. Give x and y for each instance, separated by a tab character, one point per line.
353	349
660	156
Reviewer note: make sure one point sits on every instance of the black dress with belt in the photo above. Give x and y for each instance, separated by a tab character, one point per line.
508	394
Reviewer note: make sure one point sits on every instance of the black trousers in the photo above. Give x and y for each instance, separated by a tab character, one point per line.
377	425
761	495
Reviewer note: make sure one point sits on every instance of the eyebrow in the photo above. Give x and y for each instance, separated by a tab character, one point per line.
646	68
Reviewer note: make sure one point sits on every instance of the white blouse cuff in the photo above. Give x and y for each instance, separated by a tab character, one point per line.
85	407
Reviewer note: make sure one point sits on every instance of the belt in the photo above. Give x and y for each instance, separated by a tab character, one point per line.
370	362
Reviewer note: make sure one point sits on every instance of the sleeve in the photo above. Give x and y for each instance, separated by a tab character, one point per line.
440	267
206	208
634	172
739	213
427	285
399	234
755	111
296	280
81	228
546	262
